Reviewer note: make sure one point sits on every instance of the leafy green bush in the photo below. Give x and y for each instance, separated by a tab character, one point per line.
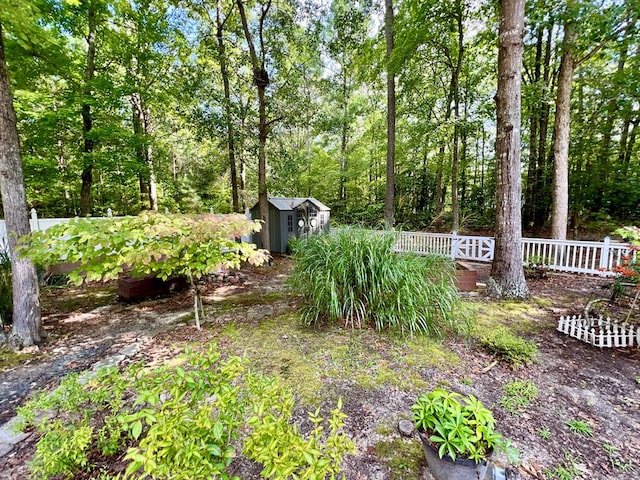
6	289
180	423
514	350
354	276
458	426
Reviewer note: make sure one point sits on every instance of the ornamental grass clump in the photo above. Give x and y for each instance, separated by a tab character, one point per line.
355	277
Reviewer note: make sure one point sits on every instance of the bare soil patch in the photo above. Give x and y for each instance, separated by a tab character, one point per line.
575	381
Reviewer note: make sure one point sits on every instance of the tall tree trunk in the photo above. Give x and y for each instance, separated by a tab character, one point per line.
534	120
222	58
560	197
136	121
389	216
144	150
153	187
87	120
343	142
261	79
27	325
542	182
440	188
455	87
507	273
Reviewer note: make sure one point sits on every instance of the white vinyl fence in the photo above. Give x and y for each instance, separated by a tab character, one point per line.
42	224
597	258
37	224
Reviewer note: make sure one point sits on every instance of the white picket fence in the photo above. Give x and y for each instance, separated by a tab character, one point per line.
596	258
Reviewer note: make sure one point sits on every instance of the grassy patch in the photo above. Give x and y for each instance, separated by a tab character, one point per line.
404	457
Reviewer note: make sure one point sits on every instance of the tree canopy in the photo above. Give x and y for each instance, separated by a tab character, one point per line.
152	105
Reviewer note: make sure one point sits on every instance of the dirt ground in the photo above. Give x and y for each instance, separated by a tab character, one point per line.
575	382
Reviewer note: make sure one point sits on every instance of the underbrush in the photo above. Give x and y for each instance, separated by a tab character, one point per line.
180	422
355	277
6	290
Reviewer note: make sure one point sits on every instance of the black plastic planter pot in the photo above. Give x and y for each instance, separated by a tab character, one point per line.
447	469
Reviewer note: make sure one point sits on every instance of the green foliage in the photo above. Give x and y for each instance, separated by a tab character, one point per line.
578	426
567	470
458	426
353	276
183	422
615	460
280	447
536	267
518	395
544	433
6	290
514	350
149	243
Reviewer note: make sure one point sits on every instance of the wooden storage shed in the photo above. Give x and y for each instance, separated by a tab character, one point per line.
292	218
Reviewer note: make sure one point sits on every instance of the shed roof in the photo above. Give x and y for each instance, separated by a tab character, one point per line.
289	203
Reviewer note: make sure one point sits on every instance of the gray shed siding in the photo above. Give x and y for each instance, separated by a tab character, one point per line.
284	214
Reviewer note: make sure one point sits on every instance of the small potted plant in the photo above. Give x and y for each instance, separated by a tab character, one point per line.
457	434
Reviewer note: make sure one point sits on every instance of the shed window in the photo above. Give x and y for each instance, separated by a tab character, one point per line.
290	223
322	219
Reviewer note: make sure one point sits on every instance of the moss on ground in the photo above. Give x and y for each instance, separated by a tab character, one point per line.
73	299
522	318
305	358
403	456
245	300
9	359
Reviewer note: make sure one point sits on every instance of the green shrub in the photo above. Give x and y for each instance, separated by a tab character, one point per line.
6	289
180	423
514	350
355	277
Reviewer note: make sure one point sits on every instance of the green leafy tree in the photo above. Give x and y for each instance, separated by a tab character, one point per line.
148	244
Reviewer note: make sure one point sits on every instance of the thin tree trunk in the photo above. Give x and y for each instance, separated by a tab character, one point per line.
222	58
389	215
560	197
87	120
27	325
507	273
261	79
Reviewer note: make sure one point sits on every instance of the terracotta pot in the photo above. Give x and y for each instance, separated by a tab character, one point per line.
447	469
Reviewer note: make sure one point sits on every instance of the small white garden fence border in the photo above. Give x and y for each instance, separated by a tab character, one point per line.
600	332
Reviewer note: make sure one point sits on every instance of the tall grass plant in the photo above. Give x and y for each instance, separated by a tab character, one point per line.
355	277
